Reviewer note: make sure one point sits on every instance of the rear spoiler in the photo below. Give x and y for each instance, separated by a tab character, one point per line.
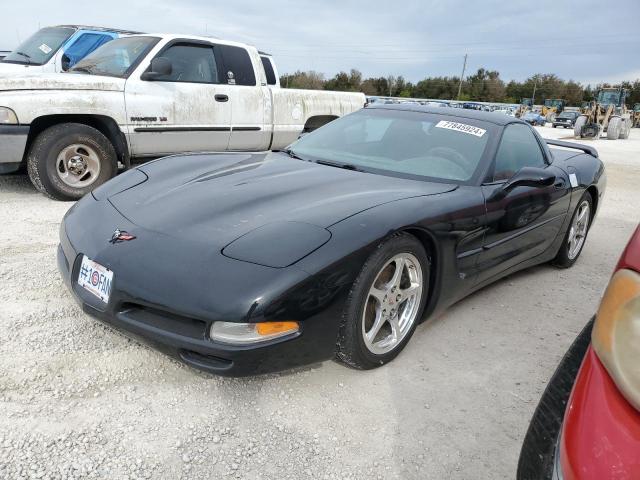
576	146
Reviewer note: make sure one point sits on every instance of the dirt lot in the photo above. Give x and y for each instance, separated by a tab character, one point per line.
78	400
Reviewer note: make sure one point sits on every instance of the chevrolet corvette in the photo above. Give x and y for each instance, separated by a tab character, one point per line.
337	247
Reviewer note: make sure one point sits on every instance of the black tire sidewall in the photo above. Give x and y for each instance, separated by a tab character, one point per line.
351	347
46	148
562	259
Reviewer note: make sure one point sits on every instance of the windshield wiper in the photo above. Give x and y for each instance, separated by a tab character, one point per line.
346	166
22	54
293	154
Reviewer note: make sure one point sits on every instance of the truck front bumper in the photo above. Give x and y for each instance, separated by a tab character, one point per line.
13	141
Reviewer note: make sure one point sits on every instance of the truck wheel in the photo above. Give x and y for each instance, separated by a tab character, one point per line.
551	117
614	127
581	121
625	130
69	160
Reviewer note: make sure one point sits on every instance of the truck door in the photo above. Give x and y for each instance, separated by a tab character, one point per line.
187	110
250	99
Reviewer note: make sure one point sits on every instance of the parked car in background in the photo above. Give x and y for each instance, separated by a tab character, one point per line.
587	424
534	118
3	53
146	96
333	247
57	49
565	119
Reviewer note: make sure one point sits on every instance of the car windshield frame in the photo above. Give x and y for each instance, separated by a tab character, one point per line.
25	53
89	64
351	162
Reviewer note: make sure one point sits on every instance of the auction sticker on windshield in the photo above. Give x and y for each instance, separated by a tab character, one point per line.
461	127
95	278
45	48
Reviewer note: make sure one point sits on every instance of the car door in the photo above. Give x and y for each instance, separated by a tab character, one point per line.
525	222
188	110
250	99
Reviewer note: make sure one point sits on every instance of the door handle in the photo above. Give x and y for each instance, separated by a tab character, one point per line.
560	184
221	98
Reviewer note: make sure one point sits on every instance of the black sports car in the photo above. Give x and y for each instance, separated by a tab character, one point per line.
337	247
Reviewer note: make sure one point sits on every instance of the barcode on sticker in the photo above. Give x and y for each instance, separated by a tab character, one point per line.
461	127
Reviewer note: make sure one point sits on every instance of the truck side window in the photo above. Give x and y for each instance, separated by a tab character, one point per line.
237	66
268	70
518	148
191	63
83	46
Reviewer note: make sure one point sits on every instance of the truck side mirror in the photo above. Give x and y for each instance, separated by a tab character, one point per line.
65	62
160	67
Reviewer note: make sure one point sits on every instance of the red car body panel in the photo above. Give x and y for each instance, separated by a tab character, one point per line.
601	430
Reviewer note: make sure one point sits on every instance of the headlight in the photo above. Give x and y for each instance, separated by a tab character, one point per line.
251	333
8	116
616	333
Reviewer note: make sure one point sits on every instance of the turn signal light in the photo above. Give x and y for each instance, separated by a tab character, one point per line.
251	333
616	333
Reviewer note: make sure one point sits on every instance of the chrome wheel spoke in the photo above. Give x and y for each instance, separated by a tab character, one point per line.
78	165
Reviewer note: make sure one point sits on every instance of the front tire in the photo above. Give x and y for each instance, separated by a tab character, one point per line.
385	304
69	160
581	121
614	127
576	235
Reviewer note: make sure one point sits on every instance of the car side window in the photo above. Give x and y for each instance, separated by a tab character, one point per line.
268	70
238	68
191	63
518	148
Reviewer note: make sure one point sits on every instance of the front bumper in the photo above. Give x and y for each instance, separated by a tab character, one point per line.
13	142
175	316
601	430
538	454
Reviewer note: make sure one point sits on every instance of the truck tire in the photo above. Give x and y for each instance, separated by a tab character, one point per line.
625	130
614	128
581	121
551	117
67	161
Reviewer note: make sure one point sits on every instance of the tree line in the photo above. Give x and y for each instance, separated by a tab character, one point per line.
483	86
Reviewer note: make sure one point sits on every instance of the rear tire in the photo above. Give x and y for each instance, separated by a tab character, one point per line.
581	121
67	161
578	229
381	314
614	128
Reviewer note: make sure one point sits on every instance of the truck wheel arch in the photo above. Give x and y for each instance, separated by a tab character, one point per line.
106	125
317	121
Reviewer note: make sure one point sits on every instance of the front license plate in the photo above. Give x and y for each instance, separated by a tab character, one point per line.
95	278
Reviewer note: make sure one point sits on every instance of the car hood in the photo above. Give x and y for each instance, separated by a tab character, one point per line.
220	197
59	81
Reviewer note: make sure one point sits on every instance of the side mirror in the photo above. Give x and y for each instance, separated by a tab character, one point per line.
525	177
65	62
160	67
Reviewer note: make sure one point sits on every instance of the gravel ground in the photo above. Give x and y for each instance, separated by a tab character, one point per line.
78	400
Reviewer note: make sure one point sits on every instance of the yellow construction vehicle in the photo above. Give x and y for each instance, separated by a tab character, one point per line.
525	105
552	107
607	113
636	115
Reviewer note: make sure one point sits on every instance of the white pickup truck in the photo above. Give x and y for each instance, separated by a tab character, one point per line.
146	96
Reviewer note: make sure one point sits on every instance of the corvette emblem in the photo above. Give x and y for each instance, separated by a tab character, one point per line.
121	236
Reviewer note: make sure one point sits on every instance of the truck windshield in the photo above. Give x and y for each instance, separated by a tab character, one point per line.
117	58
400	143
40	47
606	97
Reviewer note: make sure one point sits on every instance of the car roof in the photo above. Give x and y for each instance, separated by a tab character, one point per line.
492	117
98	29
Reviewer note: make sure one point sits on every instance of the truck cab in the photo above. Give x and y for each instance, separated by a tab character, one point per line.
56	49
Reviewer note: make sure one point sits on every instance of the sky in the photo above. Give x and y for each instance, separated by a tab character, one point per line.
583	40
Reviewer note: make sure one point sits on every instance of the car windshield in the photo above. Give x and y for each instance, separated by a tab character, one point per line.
40	47
567	115
400	143
531	115
116	58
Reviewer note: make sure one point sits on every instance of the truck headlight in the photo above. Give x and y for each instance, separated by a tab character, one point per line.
8	116
251	333
616	333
